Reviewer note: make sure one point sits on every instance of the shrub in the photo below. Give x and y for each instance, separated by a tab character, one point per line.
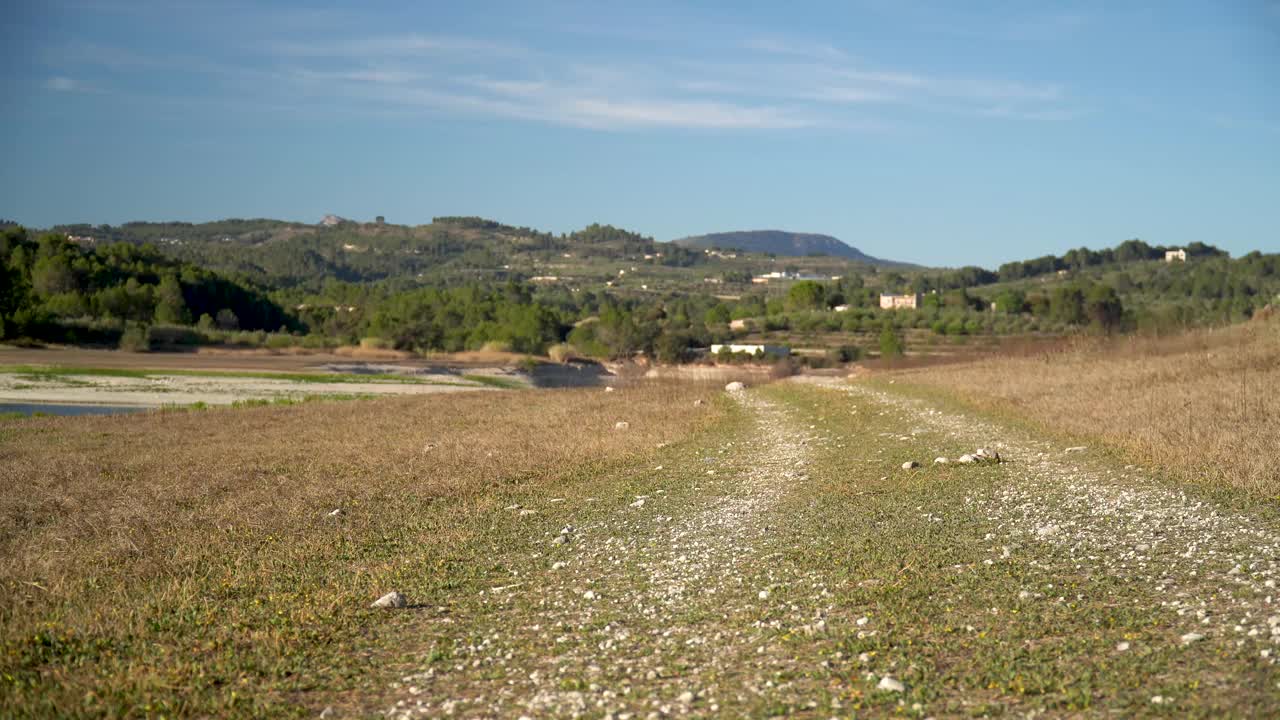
561	352
135	338
173	336
890	341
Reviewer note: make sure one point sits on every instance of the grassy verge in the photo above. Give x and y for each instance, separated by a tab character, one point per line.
189	564
1201	405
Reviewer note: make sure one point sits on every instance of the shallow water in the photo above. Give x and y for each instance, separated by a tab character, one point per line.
56	409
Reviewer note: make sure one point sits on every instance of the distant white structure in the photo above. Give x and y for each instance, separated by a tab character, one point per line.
737	324
779	275
778	350
900	302
1178	255
841	308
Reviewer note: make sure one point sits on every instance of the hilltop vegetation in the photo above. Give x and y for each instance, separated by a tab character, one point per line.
295	255
778	242
463	283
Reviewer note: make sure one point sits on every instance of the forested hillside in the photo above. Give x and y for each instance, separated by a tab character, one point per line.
464	282
57	289
284	254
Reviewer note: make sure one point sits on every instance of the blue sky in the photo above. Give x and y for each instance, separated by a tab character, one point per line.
942	133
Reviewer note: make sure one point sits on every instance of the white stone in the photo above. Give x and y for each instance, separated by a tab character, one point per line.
589	595
621	425
735	386
965	459
392	599
1157	699
889	683
1122	646
763	595
336	512
1191	637
1076	449
940	461
686	698
699	401
910	464
638	503
608	388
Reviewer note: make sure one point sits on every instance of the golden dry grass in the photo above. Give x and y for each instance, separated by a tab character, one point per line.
184	562
1205	404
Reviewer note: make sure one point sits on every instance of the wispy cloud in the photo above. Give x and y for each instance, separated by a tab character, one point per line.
761	82
61	83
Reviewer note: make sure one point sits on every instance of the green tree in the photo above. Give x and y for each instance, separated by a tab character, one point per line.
1067	305
1011	301
52	275
171	306
890	341
1103	308
806	295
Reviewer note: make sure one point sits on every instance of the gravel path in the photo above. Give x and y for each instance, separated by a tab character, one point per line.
1215	570
741	585
673	597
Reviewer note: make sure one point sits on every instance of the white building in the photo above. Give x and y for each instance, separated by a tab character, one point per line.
900	302
778	350
1175	255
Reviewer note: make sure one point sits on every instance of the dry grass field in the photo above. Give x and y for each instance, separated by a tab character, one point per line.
186	563
1204	405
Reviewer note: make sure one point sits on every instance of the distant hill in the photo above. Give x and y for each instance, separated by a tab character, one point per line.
780	242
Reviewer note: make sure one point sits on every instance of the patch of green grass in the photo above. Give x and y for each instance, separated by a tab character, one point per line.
50	377
326	397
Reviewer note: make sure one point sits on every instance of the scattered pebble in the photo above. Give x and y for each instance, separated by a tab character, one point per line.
621	425
910	465
889	683
735	386
392	599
